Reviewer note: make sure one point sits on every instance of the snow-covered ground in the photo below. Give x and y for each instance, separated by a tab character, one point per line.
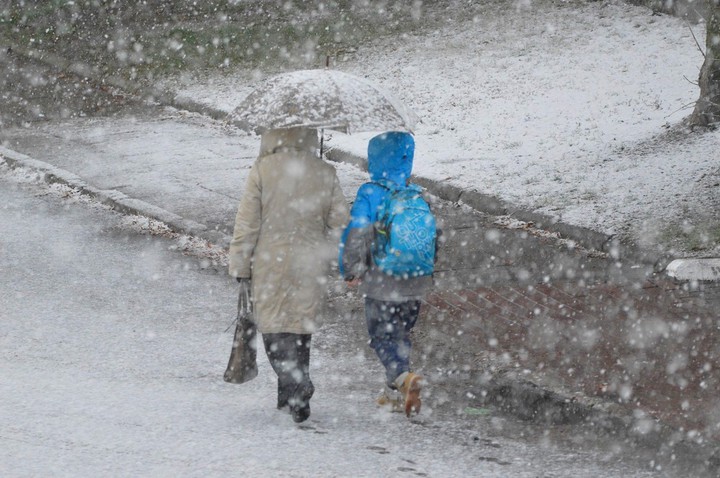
572	109
113	346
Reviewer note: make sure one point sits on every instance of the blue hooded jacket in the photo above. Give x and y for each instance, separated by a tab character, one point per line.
390	159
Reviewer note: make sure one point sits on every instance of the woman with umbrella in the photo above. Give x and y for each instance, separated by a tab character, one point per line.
286	233
292	213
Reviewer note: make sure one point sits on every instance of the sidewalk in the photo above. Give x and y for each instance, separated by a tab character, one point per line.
546	328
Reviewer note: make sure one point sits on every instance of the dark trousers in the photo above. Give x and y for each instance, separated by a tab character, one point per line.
289	356
389	325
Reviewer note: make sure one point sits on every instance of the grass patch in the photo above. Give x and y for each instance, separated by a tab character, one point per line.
138	40
692	236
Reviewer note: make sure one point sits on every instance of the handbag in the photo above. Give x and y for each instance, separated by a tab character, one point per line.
242	366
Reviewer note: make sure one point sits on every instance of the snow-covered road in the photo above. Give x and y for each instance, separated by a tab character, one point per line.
113	345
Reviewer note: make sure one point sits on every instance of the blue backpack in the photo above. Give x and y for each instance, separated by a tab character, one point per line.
404	233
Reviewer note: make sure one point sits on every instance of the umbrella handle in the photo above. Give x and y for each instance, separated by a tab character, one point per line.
322	138
322	131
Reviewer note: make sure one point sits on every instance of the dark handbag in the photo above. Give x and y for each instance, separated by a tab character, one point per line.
242	366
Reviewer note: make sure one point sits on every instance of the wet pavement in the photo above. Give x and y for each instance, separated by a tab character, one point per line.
159	406
651	347
510	303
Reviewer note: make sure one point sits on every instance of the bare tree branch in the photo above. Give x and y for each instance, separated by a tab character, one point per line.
683	107
696	83
696	40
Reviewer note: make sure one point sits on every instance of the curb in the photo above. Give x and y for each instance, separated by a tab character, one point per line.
695	269
484	203
488	204
115	199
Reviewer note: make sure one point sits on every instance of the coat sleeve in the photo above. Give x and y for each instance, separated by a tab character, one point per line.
247	227
356	242
338	216
336	219
356	252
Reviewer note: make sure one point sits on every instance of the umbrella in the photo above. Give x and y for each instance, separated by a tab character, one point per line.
328	99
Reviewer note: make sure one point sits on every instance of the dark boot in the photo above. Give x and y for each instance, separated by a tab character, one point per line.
300	402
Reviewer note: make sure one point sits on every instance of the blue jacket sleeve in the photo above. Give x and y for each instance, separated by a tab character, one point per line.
362	219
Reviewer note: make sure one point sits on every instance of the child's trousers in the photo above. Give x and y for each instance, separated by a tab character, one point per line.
389	325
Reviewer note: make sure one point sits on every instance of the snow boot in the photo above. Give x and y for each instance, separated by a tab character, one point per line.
410	385
390	398
300	402
300	414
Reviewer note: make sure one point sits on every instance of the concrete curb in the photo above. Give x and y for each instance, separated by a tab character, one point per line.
115	199
485	203
695	269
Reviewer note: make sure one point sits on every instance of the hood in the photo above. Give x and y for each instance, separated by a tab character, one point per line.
390	156
298	139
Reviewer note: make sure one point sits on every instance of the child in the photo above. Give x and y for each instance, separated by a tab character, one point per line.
392	302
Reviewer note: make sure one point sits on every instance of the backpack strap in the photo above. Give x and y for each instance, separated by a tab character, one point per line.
392	186
386	184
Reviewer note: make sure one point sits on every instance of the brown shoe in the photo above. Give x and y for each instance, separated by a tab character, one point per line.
391	400
410	385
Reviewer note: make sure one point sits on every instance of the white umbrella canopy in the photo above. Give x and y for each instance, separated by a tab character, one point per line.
328	99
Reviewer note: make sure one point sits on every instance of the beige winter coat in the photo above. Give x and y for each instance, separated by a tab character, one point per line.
287	231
